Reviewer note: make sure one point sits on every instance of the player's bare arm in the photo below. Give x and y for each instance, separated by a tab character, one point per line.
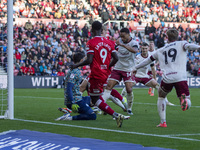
87	61
114	59
153	70
129	48
143	63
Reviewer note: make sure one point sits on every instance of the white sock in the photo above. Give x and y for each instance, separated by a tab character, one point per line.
166	100
157	87
161	105
188	101
130	98
152	90
124	93
106	95
117	101
71	118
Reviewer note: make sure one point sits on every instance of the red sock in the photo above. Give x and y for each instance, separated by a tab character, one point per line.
116	94
105	107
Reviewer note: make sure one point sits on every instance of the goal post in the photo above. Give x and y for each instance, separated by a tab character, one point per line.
7	77
10	61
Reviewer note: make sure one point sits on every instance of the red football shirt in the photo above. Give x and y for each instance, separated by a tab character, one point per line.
101	48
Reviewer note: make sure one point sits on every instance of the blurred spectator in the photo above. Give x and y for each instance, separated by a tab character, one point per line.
54	73
60	73
23	68
31	70
196	54
20	73
49	71
192	57
42	67
44	73
196	68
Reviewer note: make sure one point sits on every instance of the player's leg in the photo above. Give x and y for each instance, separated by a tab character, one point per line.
116	94
124	93
183	93
114	79
130	96
117	102
163	90
85	111
150	90
154	84
107	91
95	92
129	81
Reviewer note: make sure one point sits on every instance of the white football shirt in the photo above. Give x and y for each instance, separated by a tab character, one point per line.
172	59
142	72
126	58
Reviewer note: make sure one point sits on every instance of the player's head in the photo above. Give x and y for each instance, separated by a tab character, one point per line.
172	35
96	28
125	35
77	57
144	48
151	45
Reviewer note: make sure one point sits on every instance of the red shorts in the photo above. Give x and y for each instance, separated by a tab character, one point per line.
143	80
118	75
181	87
95	86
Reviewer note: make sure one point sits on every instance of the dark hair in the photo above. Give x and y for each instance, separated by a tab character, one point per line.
96	25
126	30
144	44
78	56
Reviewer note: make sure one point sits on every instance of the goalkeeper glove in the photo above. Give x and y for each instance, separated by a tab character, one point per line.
75	108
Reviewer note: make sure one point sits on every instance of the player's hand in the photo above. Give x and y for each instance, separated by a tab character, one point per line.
75	108
134	70
117	42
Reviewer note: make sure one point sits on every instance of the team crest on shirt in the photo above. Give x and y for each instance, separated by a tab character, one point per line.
72	76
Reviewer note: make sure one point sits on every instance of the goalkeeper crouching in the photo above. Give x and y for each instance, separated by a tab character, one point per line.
73	98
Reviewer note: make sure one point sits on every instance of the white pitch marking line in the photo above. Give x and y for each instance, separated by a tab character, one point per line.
108	101
184	134
110	130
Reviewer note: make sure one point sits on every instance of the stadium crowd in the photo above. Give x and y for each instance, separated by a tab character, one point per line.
57	9
184	11
48	49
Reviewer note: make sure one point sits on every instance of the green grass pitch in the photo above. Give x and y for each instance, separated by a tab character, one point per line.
40	105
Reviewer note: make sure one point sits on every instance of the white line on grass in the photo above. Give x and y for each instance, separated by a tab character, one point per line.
184	134
108	101
39	97
109	130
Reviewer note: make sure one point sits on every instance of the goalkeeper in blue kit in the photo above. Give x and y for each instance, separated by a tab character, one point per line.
73	98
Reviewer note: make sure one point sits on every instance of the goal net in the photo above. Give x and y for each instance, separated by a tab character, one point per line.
3	87
6	69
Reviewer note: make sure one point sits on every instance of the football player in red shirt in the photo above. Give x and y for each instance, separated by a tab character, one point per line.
99	54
